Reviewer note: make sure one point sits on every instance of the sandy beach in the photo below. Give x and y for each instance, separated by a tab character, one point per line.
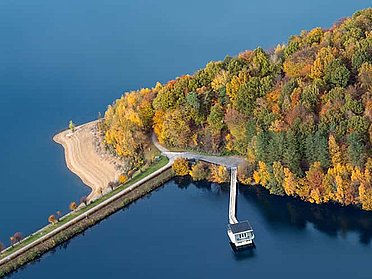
82	158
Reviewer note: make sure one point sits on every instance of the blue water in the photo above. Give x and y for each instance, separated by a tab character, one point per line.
62	60
180	232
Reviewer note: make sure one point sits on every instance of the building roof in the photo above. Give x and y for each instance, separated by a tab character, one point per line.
240	227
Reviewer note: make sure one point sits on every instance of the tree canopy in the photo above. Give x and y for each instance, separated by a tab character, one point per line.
299	114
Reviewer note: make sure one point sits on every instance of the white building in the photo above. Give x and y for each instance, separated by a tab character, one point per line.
240	234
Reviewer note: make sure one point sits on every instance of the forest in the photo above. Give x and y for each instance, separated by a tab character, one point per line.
300	114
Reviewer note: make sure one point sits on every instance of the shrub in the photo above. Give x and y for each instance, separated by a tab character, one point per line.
219	174
200	171
181	166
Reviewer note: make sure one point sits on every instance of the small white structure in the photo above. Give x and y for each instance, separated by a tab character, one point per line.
240	234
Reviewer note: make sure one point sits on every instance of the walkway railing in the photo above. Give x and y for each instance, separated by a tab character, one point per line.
232	201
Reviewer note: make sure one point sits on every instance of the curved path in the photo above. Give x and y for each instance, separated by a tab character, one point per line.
227	161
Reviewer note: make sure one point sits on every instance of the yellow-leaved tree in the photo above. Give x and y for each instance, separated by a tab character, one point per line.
181	167
219	174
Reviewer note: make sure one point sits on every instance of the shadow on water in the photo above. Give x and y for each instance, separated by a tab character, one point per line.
331	219
280	212
242	255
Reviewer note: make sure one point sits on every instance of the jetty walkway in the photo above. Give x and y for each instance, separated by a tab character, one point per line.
232	201
228	161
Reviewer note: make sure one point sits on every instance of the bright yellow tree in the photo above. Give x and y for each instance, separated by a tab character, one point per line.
181	166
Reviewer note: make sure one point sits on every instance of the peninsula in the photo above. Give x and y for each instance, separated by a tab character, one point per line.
299	115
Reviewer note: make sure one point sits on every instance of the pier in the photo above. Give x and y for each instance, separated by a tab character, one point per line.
240	233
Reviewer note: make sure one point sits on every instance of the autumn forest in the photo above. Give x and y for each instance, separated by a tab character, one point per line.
300	114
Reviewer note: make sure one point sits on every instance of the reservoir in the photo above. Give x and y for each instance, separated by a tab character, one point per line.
68	60
179	231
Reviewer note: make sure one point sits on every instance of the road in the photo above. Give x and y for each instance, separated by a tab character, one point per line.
227	161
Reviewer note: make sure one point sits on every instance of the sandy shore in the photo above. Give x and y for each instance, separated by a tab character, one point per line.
95	170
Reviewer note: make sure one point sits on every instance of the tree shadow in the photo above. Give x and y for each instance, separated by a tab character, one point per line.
282	211
331	219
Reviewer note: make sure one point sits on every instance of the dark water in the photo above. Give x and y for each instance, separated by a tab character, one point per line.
180	232
62	60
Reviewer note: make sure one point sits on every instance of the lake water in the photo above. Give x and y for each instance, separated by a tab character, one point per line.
180	232
70	59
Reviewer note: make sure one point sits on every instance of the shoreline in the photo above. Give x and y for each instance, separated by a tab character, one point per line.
95	169
85	218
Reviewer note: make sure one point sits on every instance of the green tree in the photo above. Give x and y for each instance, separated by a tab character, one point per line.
292	155
336	74
261	147
356	149
260	65
216	118
277	179
71	126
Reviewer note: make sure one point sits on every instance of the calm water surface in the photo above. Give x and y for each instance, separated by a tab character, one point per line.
180	232
62	60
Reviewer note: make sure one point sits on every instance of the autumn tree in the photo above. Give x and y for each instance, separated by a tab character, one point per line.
175	130
261	175
323	58
200	171
181	167
52	219
300	115
290	182
314	179
334	151
365	76
122	179
218	174
365	190
73	206
17	237
245	173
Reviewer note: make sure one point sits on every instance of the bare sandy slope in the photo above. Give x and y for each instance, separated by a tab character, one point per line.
95	170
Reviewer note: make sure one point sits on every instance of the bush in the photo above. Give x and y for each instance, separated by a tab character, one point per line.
200	171
219	174
181	166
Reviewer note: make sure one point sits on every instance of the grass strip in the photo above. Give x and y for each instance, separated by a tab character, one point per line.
33	237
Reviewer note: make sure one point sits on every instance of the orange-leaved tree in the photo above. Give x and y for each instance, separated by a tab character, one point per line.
73	206
52	219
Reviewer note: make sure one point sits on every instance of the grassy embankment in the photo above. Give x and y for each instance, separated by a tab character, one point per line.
33	237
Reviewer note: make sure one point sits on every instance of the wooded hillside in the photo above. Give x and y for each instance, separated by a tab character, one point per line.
300	114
